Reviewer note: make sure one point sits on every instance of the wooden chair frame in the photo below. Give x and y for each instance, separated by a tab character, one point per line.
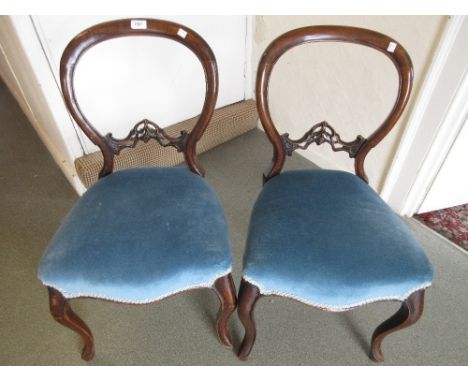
322	132
144	130
412	308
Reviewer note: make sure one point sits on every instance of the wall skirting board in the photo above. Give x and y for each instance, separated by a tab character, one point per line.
227	123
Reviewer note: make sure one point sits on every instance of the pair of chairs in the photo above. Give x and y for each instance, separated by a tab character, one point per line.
321	237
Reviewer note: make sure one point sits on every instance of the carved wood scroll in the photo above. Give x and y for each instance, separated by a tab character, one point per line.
322	133
144	131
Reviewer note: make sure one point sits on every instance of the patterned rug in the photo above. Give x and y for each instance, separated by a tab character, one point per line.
450	222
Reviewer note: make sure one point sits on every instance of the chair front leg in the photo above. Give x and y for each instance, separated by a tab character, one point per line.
410	311
248	297
63	314
226	292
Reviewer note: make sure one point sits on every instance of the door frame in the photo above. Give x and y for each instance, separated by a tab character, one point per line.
433	124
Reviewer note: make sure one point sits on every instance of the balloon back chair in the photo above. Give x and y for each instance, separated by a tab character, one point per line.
143	234
324	237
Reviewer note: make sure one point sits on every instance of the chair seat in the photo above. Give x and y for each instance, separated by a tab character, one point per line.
140	235
327	239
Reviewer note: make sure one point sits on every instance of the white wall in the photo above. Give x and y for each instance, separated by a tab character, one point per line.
120	82
352	87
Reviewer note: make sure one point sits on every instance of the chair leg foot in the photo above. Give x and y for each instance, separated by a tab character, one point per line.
248	297
63	314
226	292
410	311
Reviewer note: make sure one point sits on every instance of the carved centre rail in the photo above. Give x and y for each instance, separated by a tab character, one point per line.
144	131
322	133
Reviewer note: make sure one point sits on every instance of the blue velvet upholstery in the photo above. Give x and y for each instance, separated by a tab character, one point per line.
140	235
327	239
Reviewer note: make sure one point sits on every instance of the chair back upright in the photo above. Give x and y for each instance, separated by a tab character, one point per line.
145	129
322	132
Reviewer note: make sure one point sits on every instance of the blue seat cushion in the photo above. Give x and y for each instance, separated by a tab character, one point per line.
327	239
140	235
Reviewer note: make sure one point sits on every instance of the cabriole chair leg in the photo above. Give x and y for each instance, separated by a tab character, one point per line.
410	311
248	297
226	292
63	314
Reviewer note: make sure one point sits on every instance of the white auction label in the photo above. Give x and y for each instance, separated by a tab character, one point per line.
391	47
182	33
138	24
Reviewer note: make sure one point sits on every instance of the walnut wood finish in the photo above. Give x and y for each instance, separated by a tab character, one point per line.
223	287
248	297
143	130
122	28
320	133
410	311
63	314
375	40
226	292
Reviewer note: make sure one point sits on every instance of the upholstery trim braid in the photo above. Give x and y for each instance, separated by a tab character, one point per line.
331	308
208	284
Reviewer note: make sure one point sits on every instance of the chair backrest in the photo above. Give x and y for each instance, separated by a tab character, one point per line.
144	130
322	132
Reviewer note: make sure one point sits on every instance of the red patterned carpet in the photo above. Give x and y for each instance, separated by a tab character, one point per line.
450	222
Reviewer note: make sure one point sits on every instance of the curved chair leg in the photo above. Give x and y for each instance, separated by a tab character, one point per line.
248	297
63	314
226	292
410	311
